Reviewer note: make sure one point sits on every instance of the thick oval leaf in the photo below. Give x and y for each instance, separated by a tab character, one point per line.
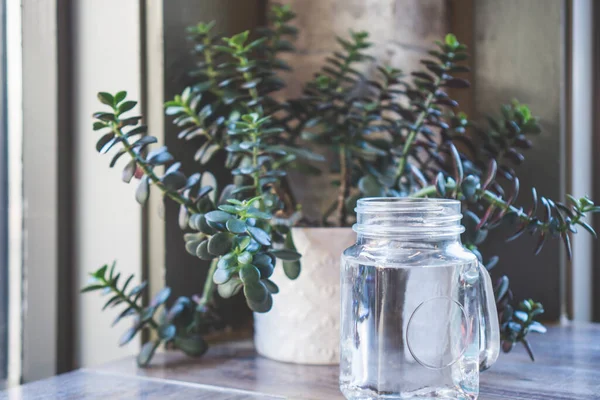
174	180
264	265
291	269
256	213
218	216
228	261
216	225
222	276
129	171
204	227
120	96
116	157
261	307
369	186
144	141
147	352
219	244
167	332
203	191
286	254
289	241
253	246
209	152
537	327
129	335
255	291
126	106
161	297
159	156
241	242
259	235
230	288
125	313
183	217
143	190
193	346
440	184
235	225
103	141
230	209
249	274
106	98
244	258
271	286
193	179
202	251
521	316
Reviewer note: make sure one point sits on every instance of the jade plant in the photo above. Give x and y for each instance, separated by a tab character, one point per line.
390	134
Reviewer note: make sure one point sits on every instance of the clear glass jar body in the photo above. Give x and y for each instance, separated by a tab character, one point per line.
415	307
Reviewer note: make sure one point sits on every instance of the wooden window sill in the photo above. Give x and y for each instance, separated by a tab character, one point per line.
566	368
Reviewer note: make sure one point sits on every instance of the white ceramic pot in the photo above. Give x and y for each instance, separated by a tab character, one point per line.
303	325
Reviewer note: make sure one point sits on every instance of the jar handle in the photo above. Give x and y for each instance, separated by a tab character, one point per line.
489	330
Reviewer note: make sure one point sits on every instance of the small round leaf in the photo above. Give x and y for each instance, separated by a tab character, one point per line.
271	286
259	235
218	216
249	274
261	307
202	251
256	291
286	254
221	276
292	269
167	332
230	288
193	346
219	244
245	258
235	225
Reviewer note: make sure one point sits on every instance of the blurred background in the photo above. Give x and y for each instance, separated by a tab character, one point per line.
63	213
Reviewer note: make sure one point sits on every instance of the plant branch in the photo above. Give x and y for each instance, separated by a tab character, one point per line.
127	300
344	187
148	171
209	284
416	128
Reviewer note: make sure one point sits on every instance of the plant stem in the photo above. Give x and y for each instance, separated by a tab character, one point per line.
192	114
209	284
344	191
132	304
417	127
208	59
248	78
148	171
255	174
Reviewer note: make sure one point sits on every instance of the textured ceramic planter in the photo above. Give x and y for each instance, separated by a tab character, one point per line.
303	325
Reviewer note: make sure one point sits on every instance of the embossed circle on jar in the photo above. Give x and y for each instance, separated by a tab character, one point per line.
438	332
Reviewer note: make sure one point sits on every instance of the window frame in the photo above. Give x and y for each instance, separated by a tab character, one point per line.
3	200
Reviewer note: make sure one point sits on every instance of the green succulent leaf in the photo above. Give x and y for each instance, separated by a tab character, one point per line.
219	244
193	345
292	269
286	254
147	352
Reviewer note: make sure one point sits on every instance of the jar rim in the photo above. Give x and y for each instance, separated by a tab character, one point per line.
403	202
393	216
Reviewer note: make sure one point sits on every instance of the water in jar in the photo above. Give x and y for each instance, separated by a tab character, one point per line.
410	324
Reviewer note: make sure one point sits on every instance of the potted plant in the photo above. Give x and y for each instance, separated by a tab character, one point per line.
383	134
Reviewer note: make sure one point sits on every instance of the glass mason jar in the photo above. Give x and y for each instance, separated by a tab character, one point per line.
418	316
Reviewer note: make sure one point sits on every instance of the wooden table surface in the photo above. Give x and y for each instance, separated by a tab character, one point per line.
567	368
